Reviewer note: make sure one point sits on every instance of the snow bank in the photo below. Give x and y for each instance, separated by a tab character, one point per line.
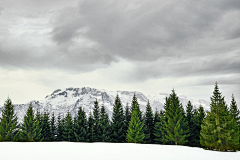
106	151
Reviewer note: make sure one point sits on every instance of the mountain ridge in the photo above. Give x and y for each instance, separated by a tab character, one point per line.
60	101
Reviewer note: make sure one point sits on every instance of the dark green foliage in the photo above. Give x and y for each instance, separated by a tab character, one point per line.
68	132
117	125
96	119
148	124
135	106
135	130
175	126
9	124
104	126
217	130
60	128
190	121
198	116
91	135
159	133
31	130
53	128
80	126
127	116
46	130
235	114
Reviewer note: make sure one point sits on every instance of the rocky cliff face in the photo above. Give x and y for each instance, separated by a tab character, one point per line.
70	99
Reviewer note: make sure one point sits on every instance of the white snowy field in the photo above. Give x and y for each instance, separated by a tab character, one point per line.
106	151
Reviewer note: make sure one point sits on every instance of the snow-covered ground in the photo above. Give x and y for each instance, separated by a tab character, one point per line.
106	151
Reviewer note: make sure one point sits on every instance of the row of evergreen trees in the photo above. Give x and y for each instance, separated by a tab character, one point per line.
216	129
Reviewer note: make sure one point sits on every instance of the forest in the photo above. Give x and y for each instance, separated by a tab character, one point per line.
215	129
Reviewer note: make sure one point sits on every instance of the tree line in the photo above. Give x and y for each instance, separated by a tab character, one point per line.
216	129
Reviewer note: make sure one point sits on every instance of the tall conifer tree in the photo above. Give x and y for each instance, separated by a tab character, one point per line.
68	132
53	128
80	126
149	124
96	118
135	130
46	130
117	125
159	133
60	128
175	126
190	121
217	130
9	122
31	130
92	137
104	126
127	116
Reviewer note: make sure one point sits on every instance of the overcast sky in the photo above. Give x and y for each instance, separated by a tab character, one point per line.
146	46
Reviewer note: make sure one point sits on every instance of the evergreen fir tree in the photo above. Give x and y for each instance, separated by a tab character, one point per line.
235	114
217	130
159	133
38	123
198	116
190	121
9	123
31	130
92	137
104	126
53	128
156	119
96	118
135	106
127	115
175	126
135	130
60	128
68	132
80	126
117	125
149	124
46	130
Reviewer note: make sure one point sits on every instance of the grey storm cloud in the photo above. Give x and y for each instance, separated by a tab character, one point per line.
161	38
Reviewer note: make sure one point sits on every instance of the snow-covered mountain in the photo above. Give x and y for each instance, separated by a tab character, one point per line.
70	99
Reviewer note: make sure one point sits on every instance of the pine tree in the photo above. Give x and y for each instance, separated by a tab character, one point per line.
9	124
80	126
46	130
217	130
104	126
31	130
127	116
175	126
96	118
135	130
68	132
235	114
198	116
135	106
53	128
38	123
60	128
117	125
149	124
190	122
92	136
156	119
159	133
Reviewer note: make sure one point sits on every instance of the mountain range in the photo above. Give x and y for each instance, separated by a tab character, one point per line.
70	99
